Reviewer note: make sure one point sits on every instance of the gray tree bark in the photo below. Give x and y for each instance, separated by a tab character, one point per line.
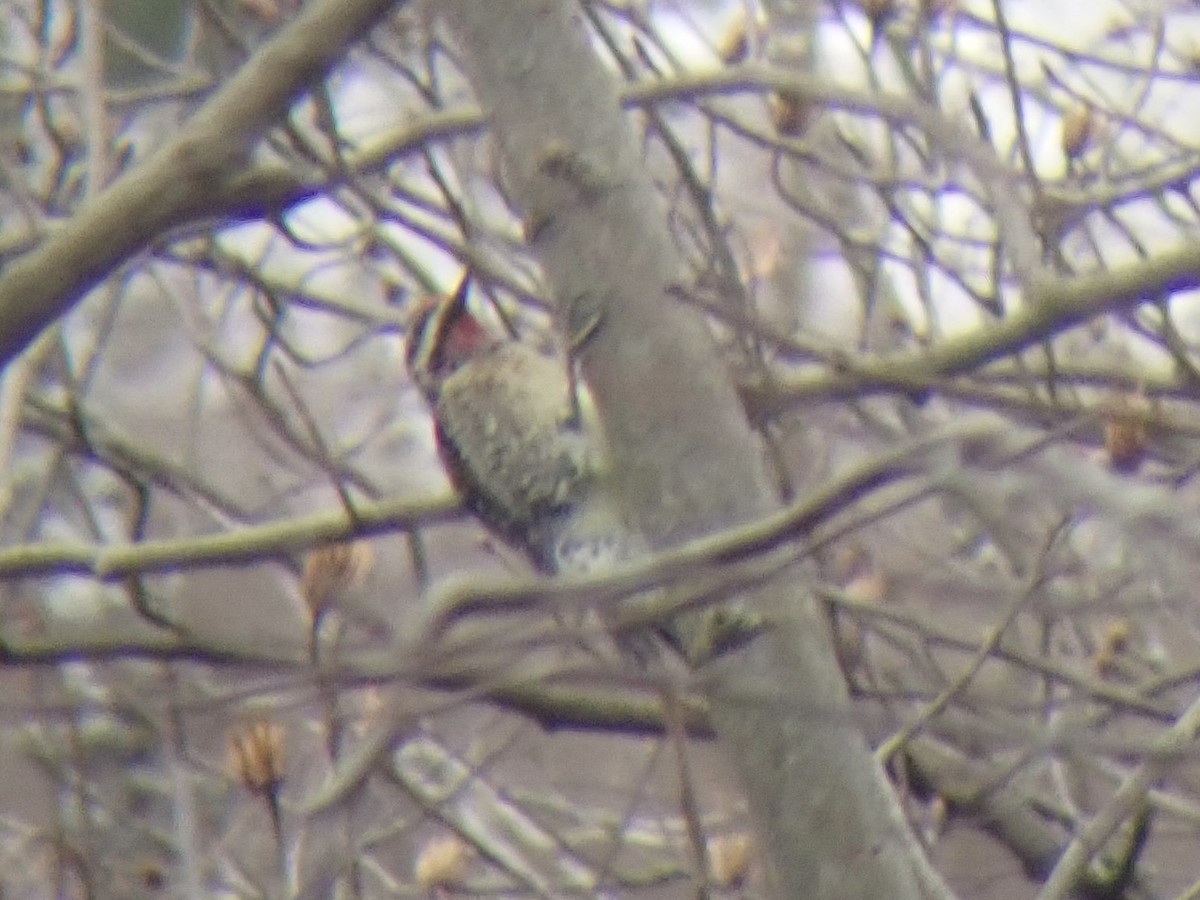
688	460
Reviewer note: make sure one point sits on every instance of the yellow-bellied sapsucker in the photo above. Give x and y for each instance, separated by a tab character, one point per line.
519	439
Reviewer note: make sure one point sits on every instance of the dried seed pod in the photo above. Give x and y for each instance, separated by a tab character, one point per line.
1113	643
256	755
863	583
152	875
1079	130
333	568
1117	634
1125	442
733	46
789	113
765	252
442	863
729	857
869	586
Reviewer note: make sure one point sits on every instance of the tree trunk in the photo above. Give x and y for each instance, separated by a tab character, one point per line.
688	460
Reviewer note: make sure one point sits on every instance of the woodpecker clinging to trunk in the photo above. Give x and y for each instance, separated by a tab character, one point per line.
518	438
522	443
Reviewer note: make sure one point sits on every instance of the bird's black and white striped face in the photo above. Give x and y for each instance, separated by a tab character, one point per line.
442	336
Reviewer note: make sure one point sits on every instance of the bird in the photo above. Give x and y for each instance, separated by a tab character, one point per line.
521	440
